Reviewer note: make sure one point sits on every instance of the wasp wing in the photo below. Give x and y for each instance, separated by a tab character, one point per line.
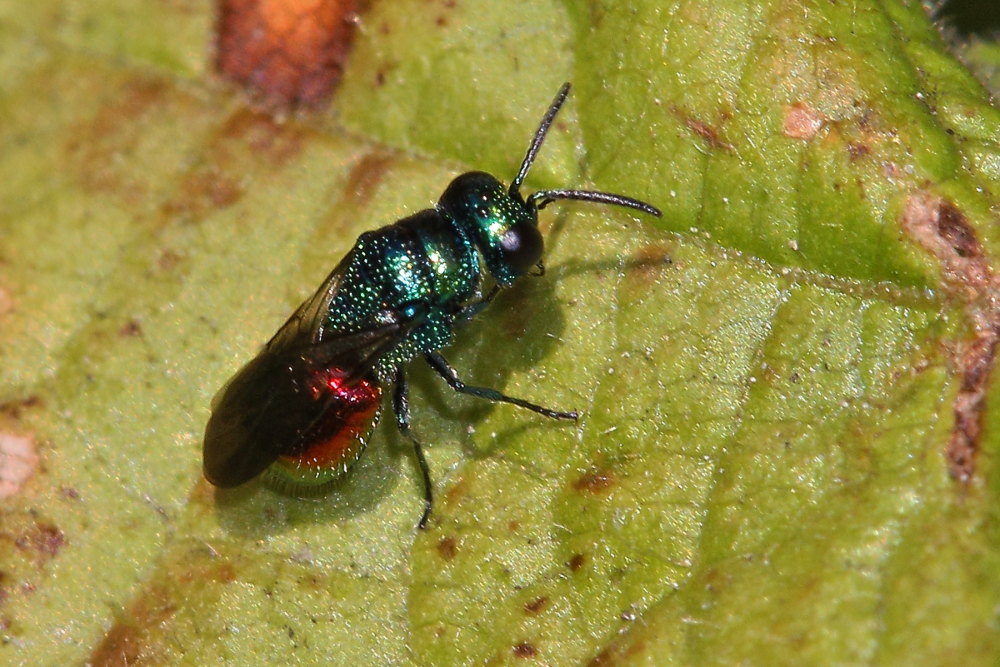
275	402
306	324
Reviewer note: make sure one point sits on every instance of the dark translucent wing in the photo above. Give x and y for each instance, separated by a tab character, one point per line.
275	402
305	326
250	417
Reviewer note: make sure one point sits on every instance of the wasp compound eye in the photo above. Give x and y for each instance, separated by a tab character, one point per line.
521	246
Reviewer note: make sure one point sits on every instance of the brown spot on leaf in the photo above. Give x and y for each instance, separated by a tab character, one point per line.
536	605
45	540
225	573
707	132
975	363
18	462
202	191
122	646
447	548
41	540
575	562
140	634
98	143
130	329
15	408
456	493
222	191
361	186
288	53
647	264
595	481
217	182
168	260
801	121
524	650
126	643
624	650
602	659
857	150
276	142
955	230
366	175
941	228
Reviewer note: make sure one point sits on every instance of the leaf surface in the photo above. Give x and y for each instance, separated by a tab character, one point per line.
788	433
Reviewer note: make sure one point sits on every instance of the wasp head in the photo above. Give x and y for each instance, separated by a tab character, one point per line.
500	223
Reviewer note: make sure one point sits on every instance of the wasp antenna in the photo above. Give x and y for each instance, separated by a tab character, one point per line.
536	142
543	198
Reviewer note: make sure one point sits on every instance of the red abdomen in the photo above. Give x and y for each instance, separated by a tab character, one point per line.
304	421
346	415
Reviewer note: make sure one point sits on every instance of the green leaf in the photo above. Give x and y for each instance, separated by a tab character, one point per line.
788	434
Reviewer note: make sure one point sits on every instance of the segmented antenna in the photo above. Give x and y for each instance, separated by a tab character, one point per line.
540	200
536	142
543	198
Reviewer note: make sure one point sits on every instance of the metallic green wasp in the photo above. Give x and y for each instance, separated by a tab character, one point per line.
306	405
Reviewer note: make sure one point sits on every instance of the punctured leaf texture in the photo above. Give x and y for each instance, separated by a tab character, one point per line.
772	380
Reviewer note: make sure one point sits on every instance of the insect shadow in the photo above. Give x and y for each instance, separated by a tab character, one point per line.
259	508
524	327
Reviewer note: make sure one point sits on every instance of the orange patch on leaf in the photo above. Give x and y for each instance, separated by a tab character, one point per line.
288	52
18	462
801	121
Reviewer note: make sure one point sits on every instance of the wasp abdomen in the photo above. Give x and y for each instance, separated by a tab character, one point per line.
347	412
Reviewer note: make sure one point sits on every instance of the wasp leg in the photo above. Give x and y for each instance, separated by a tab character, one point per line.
444	369
477	307
401	406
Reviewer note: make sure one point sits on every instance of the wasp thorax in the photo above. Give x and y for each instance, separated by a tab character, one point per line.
503	227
